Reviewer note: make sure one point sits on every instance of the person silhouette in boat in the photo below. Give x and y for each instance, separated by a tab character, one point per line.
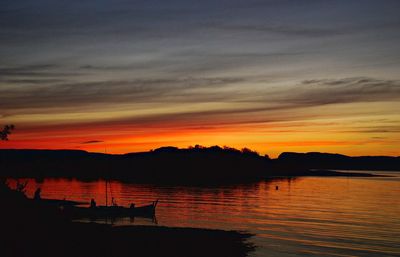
37	196
92	203
113	202
21	187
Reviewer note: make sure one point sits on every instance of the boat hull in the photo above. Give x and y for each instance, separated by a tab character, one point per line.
111	211
57	202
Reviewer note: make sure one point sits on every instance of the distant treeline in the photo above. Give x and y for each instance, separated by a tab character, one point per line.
170	164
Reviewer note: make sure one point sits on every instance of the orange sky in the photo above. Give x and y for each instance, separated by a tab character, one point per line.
361	134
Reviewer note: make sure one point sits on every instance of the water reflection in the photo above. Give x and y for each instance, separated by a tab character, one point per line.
305	216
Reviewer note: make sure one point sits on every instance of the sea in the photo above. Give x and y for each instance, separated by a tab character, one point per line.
302	216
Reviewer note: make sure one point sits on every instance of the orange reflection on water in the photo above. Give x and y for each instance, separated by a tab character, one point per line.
330	216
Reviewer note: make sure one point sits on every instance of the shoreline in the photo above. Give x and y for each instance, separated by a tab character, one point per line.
310	173
335	173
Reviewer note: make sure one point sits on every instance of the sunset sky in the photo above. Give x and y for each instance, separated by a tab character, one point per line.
131	76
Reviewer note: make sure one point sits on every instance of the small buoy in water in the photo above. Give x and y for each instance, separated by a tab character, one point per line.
276	187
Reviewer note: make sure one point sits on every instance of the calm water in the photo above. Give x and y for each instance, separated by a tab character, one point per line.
310	216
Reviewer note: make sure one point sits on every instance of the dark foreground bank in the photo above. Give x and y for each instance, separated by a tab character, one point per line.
29	230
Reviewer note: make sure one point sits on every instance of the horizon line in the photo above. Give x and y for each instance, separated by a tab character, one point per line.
203	147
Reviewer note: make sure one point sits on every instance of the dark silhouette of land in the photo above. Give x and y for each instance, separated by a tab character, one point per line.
32	230
317	160
192	165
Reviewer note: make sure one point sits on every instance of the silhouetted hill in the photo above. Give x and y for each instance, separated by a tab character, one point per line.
166	164
315	160
169	165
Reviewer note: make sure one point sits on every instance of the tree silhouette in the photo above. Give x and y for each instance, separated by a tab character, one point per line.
6	131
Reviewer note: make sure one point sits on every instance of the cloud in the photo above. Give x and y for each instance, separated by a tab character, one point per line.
346	90
293	30
317	92
92	142
30	81
33	72
111	92
227	93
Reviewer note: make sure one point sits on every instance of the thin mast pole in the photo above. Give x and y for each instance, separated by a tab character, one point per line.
105	151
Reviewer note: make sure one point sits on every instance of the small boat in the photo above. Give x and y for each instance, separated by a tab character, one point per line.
53	202
112	211
58	202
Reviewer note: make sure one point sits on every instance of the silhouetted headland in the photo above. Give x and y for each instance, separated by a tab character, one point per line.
317	160
192	165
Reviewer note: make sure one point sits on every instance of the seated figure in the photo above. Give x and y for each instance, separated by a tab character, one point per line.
92	203
37	194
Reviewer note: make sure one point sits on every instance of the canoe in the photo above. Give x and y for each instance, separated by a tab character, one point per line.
112	211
